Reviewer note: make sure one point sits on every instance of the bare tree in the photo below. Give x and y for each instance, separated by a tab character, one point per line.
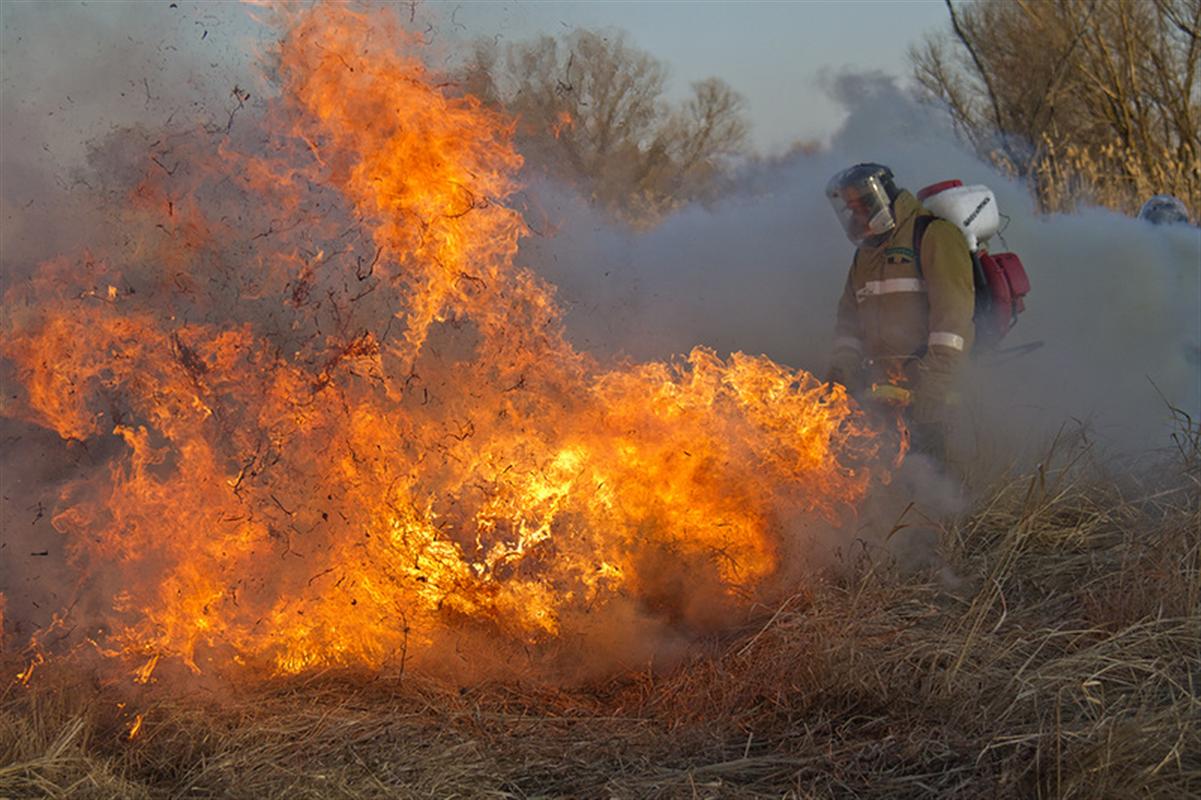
1087	99
591	108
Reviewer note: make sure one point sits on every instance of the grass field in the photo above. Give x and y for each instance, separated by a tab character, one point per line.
1063	661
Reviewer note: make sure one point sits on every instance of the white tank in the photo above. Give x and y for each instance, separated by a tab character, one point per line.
972	209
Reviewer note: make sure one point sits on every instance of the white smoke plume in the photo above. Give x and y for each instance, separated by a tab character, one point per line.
1116	301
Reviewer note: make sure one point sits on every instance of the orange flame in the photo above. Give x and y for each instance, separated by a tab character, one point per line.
351	424
25	675
562	122
143	673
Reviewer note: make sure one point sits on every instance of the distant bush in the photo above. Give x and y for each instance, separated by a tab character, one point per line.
590	108
1088	100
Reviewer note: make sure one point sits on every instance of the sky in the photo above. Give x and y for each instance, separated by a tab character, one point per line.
776	54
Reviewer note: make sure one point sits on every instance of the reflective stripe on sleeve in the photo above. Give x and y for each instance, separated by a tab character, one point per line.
890	286
946	339
848	343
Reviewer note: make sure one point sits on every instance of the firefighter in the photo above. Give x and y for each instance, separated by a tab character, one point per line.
903	329
1163	209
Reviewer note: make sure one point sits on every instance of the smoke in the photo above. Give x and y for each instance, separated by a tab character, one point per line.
1116	301
72	73
1116	304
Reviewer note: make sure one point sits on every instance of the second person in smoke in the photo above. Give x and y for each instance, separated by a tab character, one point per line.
903	328
1164	209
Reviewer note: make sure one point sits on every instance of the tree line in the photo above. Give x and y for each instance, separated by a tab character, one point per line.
1087	101
590	107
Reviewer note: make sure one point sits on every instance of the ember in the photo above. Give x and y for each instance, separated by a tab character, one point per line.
352	424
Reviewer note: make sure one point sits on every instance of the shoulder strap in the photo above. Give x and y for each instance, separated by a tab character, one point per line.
979	282
919	230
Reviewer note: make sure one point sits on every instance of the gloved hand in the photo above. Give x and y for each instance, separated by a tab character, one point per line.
929	438
930	393
931	412
849	375
891	395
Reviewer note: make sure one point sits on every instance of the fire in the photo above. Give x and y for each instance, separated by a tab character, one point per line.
25	675
562	122
351	424
142	674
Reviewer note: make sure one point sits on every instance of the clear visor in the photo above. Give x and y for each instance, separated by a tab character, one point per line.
862	208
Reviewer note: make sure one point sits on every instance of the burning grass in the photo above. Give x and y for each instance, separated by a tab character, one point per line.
312	346
333	430
1063	660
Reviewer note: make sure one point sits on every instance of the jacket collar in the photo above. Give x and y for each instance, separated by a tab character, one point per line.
904	208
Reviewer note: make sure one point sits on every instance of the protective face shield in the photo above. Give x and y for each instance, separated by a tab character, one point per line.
862	198
1163	209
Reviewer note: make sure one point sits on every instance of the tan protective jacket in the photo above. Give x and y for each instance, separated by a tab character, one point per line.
899	324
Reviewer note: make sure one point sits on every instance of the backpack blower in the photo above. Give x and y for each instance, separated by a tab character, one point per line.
999	278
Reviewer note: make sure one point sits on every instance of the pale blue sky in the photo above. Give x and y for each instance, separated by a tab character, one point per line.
772	52
98	53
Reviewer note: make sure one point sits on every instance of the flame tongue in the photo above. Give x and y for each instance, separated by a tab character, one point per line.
373	430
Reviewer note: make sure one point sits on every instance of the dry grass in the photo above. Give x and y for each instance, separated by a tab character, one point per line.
1065	176
1065	663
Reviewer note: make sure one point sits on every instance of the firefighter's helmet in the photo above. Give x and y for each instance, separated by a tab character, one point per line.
1163	209
862	198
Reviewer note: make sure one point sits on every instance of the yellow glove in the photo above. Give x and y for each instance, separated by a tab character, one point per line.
890	395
